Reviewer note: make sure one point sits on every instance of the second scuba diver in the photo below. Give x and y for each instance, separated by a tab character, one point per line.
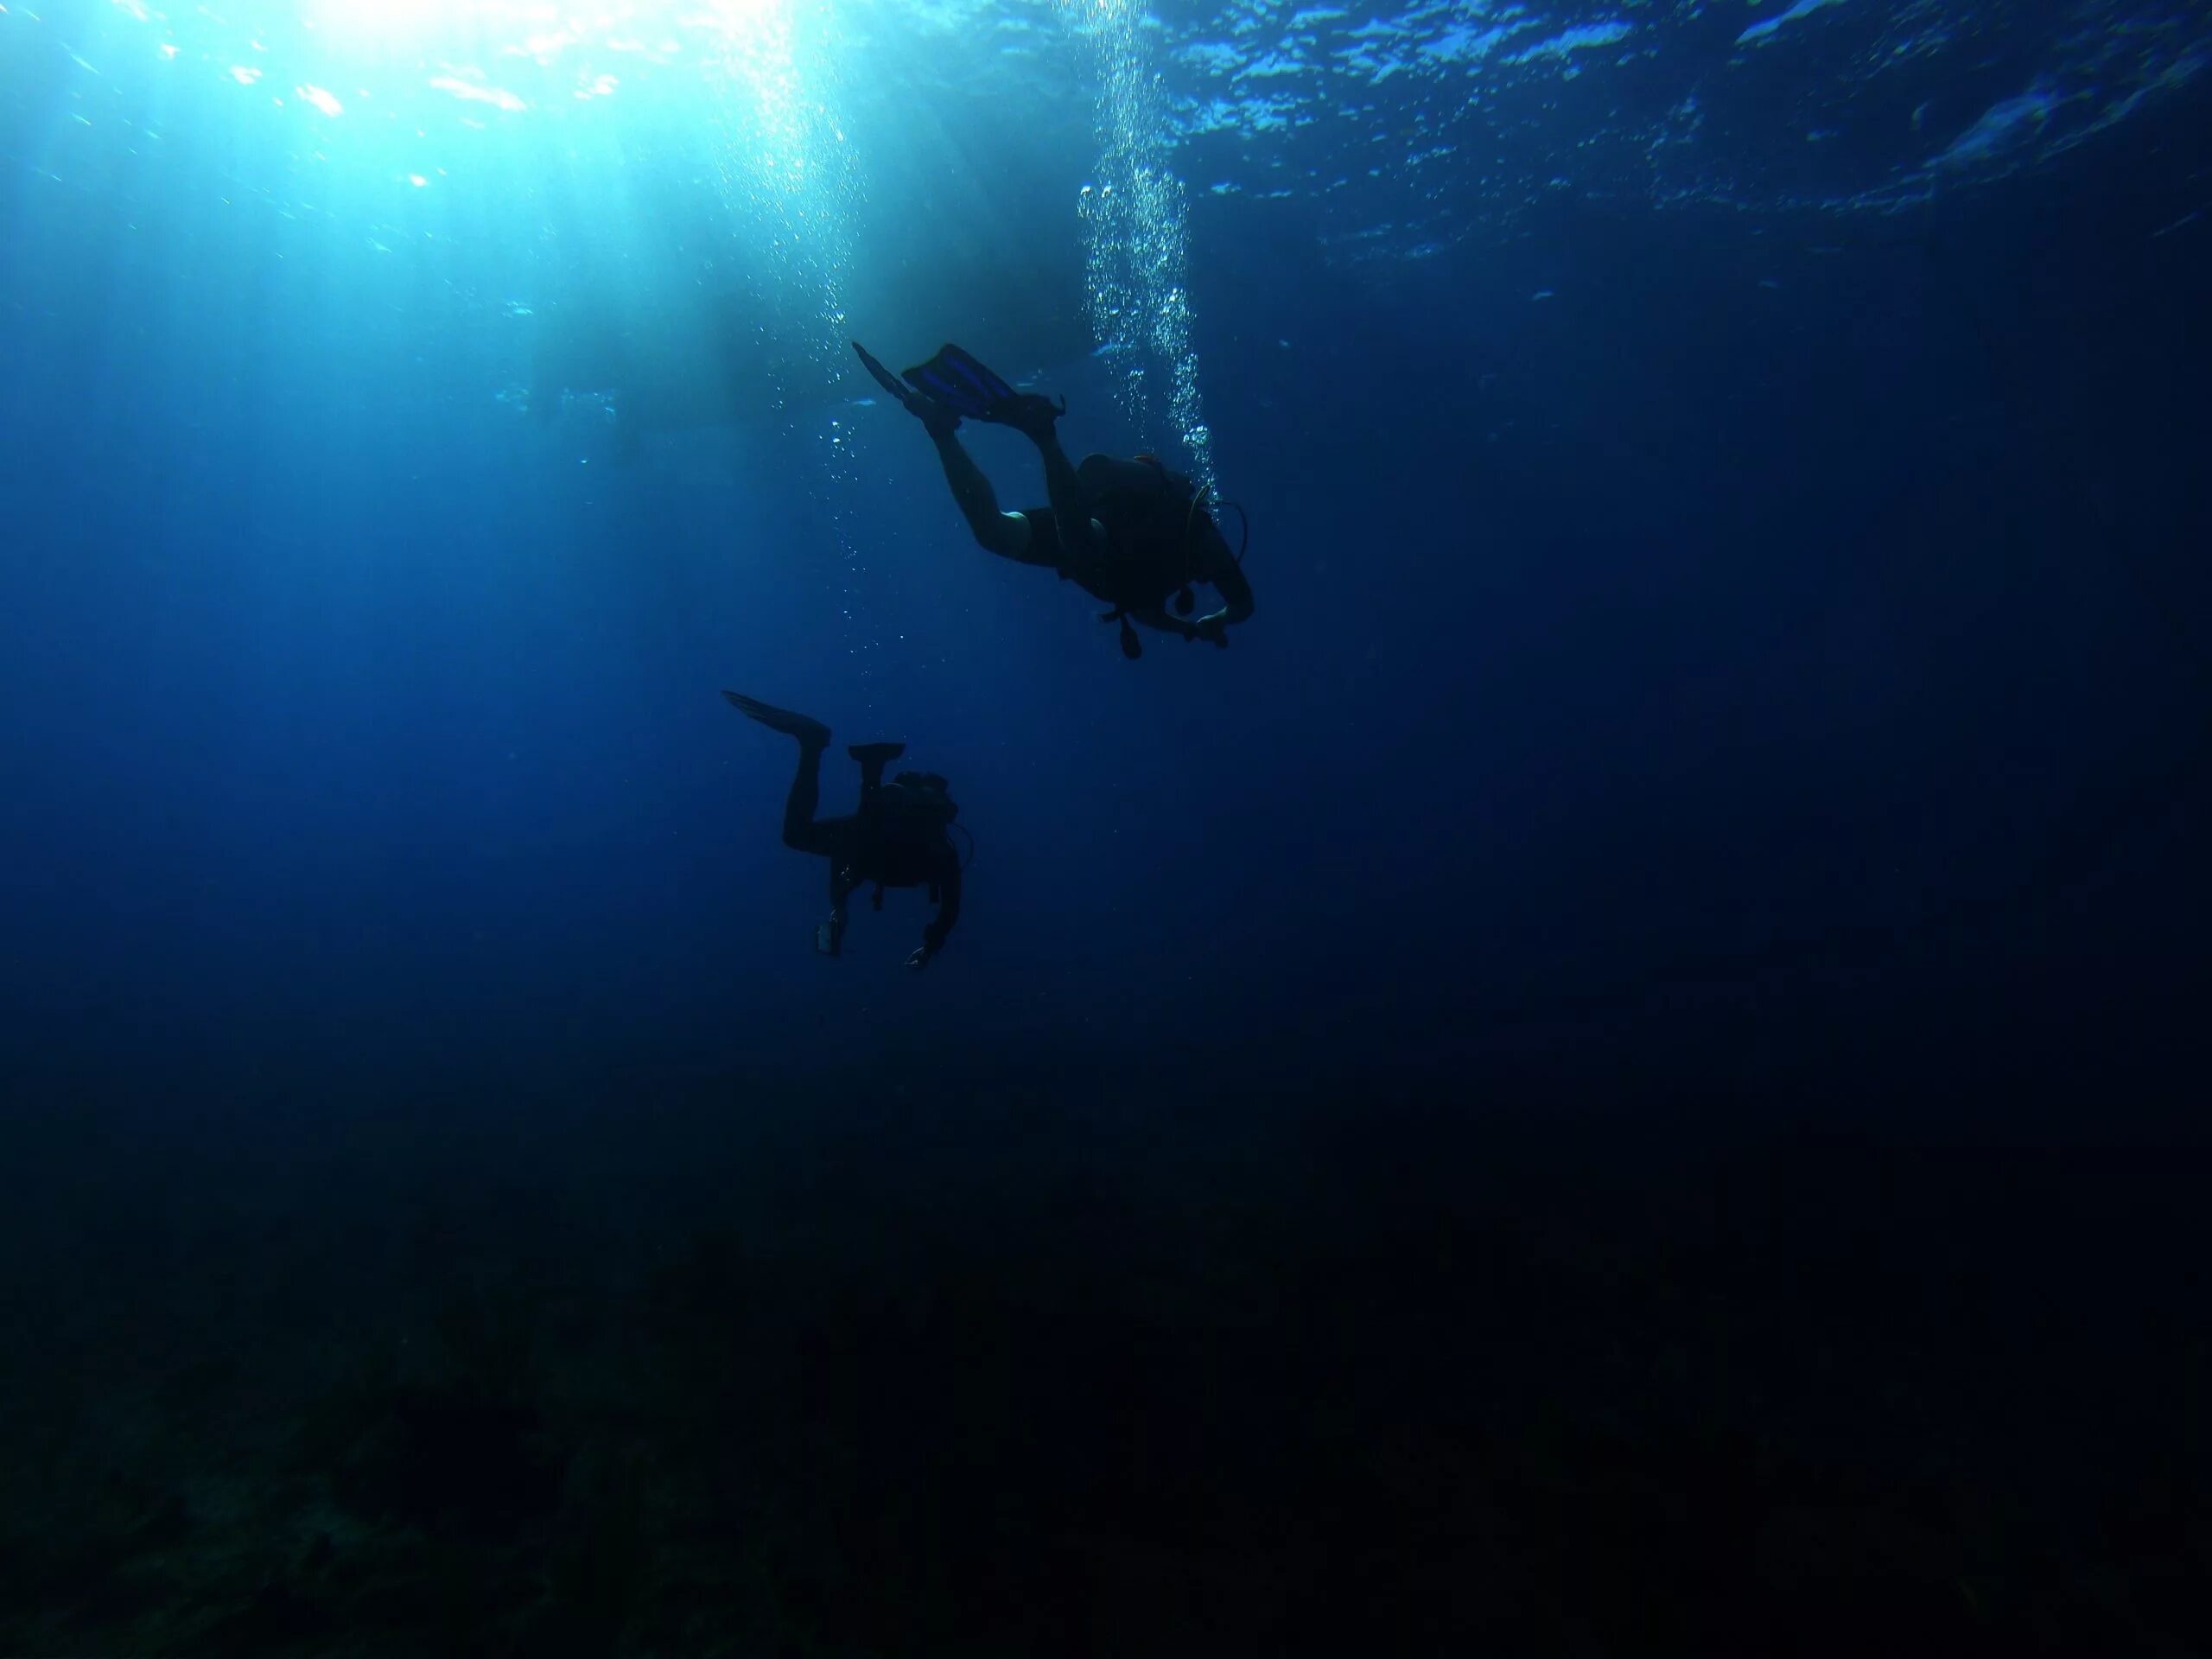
900	837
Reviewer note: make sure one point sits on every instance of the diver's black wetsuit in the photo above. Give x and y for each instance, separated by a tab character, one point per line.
1137	554
1127	531
874	845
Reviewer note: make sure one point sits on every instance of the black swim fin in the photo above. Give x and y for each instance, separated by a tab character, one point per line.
940	420
873	757
884	377
957	381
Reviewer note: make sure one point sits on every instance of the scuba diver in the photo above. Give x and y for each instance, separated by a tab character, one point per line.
1129	532
900	837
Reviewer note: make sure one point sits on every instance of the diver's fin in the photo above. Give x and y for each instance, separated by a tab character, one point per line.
808	731
873	757
957	381
884	377
939	420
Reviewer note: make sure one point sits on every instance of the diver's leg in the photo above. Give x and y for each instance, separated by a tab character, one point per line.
1070	501
1006	534
801	833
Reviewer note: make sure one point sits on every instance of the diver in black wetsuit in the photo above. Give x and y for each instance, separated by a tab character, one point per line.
899	838
1129	532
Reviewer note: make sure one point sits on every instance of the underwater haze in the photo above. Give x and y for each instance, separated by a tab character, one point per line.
1621	1072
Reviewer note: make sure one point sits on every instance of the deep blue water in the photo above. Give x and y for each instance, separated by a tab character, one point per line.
1728	509
1782	624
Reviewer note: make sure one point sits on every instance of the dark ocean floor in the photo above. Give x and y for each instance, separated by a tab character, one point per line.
990	1377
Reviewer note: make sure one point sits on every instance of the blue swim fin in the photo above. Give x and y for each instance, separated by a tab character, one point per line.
957	381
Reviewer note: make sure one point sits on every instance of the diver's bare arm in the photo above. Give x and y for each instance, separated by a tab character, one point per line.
948	912
1228	579
1157	617
1006	534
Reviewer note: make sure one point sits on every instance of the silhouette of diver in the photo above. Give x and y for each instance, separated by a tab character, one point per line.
1129	532
899	838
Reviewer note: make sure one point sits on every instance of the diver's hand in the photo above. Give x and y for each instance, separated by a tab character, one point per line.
920	959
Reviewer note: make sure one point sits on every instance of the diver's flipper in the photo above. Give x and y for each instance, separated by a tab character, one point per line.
957	381
873	757
808	730
940	420
884	377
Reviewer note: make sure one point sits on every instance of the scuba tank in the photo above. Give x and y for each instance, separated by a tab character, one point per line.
914	809
899	819
1182	510
1172	515
924	795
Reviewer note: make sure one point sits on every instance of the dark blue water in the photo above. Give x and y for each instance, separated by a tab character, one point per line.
1427	1127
